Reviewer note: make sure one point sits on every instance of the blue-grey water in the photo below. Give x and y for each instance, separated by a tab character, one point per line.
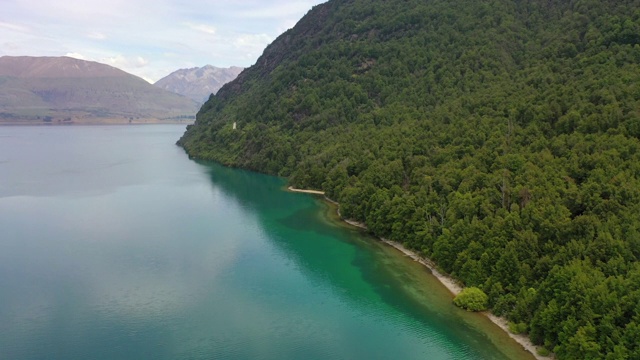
115	245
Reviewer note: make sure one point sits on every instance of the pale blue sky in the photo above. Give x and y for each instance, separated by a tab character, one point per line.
148	38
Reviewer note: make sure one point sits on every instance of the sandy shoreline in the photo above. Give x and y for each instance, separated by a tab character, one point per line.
451	284
316	192
447	281
455	289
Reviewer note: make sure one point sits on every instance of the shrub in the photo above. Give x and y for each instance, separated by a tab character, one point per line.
472	299
543	351
517	328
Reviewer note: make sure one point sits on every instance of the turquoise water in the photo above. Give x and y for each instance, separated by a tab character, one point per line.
114	245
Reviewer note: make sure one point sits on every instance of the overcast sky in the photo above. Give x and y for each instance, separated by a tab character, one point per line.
148	38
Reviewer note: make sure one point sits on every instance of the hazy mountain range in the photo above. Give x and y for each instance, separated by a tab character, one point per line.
198	83
64	89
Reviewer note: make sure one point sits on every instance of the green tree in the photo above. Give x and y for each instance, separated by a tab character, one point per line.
472	299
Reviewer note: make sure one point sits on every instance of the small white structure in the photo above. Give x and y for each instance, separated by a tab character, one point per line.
234	125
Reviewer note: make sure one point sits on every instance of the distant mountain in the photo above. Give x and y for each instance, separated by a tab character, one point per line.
198	83
63	89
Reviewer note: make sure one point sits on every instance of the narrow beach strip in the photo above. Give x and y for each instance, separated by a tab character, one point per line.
448	282
455	288
317	192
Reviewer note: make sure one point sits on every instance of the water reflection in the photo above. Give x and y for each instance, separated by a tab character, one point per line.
103	267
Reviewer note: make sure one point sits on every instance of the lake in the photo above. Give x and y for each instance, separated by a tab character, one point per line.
115	245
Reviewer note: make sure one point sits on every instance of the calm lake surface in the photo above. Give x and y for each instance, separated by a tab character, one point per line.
114	245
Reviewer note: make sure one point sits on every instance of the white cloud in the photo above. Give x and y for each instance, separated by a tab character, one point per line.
252	42
207	29
123	62
274	10
76	56
14	27
96	35
136	65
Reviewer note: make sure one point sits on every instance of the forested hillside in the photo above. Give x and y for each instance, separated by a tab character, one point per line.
499	138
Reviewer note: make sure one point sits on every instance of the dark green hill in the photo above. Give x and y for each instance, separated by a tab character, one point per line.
499	138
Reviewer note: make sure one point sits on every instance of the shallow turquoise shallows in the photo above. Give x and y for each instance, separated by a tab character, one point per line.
114	245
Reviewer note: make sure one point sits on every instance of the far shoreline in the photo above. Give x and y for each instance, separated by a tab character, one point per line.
94	122
447	281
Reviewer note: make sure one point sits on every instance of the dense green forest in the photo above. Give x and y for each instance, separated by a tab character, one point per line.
499	138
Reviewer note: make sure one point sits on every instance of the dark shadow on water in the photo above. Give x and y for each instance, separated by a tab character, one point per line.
301	215
255	192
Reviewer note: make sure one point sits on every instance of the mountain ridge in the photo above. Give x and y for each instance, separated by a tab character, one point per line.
49	66
64	89
198	83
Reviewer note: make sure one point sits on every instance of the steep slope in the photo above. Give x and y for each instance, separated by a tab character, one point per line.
198	83
67	89
499	138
